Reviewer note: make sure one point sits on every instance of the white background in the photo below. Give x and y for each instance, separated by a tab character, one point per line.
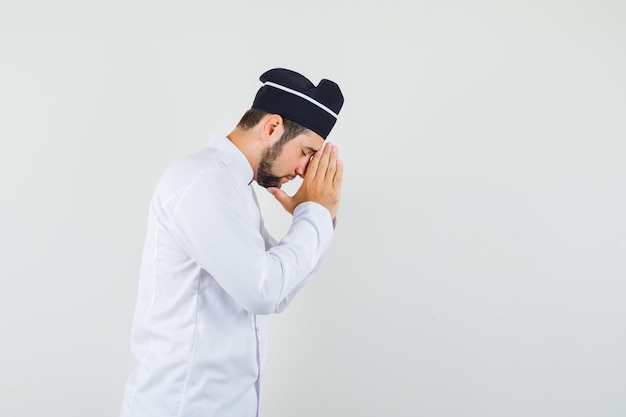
479	263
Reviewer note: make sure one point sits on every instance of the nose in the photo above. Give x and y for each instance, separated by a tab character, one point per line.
301	168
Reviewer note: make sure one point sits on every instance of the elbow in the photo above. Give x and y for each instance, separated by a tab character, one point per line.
262	290
264	296
260	306
263	299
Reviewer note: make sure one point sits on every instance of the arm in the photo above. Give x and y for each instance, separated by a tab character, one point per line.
286	299
322	184
213	226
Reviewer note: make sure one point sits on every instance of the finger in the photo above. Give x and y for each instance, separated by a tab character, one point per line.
338	178
323	162
311	170
332	165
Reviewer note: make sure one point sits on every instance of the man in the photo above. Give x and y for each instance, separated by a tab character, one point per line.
210	272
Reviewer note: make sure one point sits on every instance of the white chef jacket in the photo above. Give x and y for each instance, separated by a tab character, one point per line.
210	274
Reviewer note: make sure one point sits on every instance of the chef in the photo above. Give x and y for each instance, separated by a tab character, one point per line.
210	271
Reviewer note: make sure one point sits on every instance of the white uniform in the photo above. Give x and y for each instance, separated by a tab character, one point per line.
209	276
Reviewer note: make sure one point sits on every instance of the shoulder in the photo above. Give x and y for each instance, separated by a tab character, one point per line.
205	171
208	163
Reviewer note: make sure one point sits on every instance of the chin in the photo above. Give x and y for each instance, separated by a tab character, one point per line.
268	184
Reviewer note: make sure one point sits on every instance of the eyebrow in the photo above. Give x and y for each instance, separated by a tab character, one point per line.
311	149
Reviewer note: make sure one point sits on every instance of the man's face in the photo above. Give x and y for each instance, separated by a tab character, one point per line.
281	162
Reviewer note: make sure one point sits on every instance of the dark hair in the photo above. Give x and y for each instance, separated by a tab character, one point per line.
253	116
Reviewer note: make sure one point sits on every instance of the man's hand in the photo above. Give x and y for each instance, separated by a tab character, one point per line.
321	183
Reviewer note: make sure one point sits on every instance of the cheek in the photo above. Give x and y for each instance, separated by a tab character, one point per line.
299	160
286	165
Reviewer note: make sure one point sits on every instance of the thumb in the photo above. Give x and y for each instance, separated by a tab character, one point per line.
282	197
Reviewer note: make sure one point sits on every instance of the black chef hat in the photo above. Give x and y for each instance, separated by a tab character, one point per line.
294	97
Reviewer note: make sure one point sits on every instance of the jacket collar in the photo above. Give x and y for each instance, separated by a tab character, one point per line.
236	160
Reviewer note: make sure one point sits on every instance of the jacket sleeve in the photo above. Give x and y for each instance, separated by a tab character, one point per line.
212	223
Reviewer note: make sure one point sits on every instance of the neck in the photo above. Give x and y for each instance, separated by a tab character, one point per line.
244	140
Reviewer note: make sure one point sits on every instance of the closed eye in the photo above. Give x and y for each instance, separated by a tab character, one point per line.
309	151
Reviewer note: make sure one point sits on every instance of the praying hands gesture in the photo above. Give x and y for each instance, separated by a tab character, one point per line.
321	183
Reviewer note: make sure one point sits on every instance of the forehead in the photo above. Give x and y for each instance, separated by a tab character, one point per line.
308	139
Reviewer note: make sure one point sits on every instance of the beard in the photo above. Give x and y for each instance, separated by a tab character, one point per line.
264	175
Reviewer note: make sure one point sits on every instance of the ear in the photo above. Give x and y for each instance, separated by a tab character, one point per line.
272	127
